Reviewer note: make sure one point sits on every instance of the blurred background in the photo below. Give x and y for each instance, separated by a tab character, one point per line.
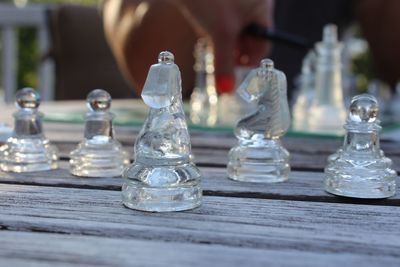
58	47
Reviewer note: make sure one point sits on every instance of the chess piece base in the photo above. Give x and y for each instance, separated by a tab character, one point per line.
360	183
162	188
28	155
265	161
98	157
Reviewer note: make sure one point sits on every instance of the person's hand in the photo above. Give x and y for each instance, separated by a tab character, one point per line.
138	30
224	21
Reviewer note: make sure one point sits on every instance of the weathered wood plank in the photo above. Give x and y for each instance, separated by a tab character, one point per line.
211	149
299	160
40	249
214	140
214	157
306	186
297	226
219	157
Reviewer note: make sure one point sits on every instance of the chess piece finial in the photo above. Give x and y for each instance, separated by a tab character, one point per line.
259	155
28	150
327	111
359	169
99	154
27	99
204	99
98	100
163	176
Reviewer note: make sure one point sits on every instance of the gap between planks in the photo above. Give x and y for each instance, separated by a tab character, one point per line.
214	140
234	222
206	157
301	186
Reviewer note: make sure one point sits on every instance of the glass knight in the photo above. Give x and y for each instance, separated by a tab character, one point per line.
259	155
163	176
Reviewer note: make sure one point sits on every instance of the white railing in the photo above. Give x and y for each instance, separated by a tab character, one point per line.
11	18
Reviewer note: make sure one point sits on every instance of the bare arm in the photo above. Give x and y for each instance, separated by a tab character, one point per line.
138	30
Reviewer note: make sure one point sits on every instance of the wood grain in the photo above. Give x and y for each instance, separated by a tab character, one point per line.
214	157
211	149
54	219
306	186
57	250
212	139
297	226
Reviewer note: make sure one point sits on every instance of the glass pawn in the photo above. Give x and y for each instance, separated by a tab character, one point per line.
28	150
259	155
99	154
359	169
204	99
327	111
163	176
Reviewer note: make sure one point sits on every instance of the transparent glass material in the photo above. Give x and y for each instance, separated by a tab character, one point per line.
228	109
381	91
327	111
204	99
163	176
28	150
99	154
394	107
5	132
306	93
259	155
360	169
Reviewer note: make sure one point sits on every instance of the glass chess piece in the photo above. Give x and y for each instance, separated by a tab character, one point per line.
381	91
394	105
28	150
327	111
259	155
231	106
204	99
228	109
306	93
99	154
163	176
359	169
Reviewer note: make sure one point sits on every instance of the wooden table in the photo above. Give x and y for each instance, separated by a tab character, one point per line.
54	219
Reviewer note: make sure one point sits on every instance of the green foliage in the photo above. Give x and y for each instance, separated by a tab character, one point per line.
363	68
28	58
362	65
